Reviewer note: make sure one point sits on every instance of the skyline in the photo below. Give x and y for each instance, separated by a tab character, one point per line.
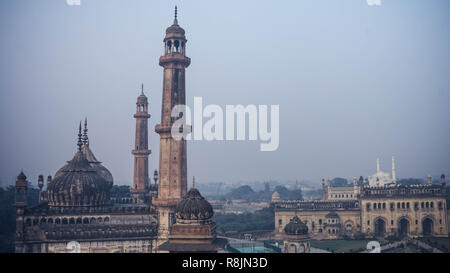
347	96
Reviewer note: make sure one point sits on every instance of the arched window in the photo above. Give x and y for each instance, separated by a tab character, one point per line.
280	222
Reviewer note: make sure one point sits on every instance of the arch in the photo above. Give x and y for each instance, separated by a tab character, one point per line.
86	220
349	225
427	226
403	227
379	227
292	248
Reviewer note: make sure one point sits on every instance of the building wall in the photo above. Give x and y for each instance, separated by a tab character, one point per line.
404	208
317	222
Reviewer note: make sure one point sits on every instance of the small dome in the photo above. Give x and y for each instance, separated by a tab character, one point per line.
142	99
194	207
276	196
175	29
78	184
296	227
21	176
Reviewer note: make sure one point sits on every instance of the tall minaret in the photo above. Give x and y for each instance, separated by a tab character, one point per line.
394	177
378	165
172	158
141	151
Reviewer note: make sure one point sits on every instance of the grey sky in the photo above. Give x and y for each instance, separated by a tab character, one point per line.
354	82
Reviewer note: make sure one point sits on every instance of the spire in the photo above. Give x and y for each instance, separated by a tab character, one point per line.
394	176
79	143
142	89
193	182
175	20
378	165
85	136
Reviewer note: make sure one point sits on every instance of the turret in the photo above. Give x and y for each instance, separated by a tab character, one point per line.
40	185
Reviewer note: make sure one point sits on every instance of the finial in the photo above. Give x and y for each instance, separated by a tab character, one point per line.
79	143
85	136
193	182
175	21
142	89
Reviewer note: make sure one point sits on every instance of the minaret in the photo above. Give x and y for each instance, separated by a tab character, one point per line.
172	185
20	203
141	151
378	165
394	177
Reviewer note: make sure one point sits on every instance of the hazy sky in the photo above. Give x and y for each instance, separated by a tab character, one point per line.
354	82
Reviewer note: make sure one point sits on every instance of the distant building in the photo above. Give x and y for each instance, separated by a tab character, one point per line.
381	178
414	211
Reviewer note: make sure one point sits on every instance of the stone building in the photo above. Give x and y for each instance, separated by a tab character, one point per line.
173	154
296	238
415	211
76	207
194	231
76	212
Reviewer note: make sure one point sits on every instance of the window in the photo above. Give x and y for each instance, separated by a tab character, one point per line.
320	221
368	222
280	222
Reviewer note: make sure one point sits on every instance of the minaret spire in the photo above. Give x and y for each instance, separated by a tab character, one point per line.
175	20
142	89
193	182
394	176
80	142
378	165
85	135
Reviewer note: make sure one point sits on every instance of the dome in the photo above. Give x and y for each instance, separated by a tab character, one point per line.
142	99
97	165
296	227
78	184
275	196
175	29
21	176
194	207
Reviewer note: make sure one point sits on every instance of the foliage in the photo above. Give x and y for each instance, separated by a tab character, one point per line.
247	193
259	220
339	182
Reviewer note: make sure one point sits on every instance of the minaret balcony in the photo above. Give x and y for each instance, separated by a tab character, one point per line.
145	152
141	115
174	58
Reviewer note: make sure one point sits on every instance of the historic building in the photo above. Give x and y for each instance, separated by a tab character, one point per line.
77	213
296	238
172	153
76	207
194	231
415	211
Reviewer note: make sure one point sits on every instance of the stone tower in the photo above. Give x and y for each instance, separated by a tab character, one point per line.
172	158
141	151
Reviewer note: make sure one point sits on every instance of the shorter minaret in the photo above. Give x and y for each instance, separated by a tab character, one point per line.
140	189
41	185
20	203
394	177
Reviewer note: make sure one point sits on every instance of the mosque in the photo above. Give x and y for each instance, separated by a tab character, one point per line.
76	212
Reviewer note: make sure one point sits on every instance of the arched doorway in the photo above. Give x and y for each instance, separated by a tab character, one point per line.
427	227
380	227
403	227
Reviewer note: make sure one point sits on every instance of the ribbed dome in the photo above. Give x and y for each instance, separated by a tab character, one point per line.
296	227
142	99
194	207
78	184
175	29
